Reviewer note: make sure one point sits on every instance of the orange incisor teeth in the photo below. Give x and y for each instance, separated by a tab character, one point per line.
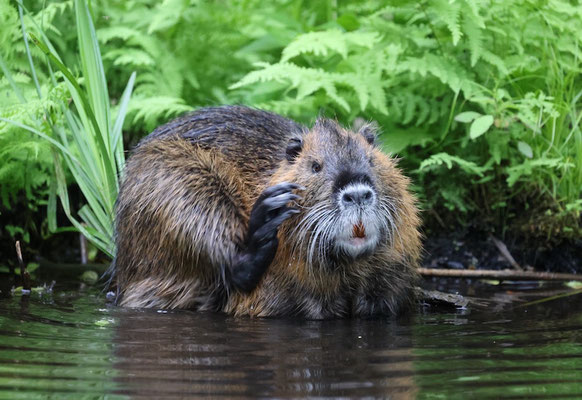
359	230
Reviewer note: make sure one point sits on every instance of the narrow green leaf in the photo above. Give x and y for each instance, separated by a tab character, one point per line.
52	200
116	134
92	66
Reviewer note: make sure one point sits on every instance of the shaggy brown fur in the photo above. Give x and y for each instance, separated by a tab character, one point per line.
187	196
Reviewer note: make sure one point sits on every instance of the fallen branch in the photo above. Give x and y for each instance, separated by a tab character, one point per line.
505	274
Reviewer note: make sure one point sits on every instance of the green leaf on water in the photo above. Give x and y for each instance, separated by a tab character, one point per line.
574	284
104	322
17	291
480	126
491	281
90	277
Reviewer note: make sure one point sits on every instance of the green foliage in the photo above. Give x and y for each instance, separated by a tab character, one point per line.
481	99
26	168
84	140
490	88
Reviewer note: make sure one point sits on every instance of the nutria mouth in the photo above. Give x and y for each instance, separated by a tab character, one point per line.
359	231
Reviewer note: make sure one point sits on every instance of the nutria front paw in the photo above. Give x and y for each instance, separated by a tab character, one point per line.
268	213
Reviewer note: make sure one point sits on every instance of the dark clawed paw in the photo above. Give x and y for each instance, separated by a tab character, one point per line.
278	189
270	209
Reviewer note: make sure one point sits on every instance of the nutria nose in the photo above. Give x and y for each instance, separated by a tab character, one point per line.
357	196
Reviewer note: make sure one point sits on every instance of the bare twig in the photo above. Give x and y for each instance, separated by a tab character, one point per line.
505	253
23	272
505	274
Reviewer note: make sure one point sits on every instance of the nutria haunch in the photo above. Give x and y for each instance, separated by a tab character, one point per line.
244	211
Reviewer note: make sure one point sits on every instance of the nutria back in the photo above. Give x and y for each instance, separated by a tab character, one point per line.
243	211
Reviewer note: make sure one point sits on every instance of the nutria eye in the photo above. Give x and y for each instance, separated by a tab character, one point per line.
316	167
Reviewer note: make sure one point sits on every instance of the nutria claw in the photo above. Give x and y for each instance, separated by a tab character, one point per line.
271	204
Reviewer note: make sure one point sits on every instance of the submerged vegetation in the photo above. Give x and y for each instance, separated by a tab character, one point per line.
481	99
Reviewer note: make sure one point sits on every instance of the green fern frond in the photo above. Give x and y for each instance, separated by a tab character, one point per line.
167	14
450	13
448	71
440	159
318	43
124	33
528	167
474	34
130	57
306	80
495	60
153	110
322	43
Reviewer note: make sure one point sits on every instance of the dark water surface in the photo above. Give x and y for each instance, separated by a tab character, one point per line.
71	345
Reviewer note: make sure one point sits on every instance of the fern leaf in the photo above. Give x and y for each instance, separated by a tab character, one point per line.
474	35
448	71
129	56
448	160
167	14
153	110
124	33
306	80
449	12
362	39
318	43
322	43
495	60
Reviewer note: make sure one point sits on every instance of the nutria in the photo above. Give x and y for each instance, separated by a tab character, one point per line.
244	211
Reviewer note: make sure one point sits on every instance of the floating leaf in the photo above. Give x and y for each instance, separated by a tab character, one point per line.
90	277
103	322
574	284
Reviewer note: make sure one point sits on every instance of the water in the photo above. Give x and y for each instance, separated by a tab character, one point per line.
72	345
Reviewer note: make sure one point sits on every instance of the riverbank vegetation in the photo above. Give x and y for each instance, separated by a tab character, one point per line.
480	99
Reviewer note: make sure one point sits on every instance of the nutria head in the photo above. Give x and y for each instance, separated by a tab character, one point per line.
350	205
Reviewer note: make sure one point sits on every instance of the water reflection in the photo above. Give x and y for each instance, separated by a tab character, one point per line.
214	355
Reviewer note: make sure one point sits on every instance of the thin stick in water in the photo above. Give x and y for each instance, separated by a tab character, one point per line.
23	272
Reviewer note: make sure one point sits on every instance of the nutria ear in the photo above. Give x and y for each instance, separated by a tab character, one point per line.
293	148
369	131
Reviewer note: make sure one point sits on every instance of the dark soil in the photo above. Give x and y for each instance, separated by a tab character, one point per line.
470	248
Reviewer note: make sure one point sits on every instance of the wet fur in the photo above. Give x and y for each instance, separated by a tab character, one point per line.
186	199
